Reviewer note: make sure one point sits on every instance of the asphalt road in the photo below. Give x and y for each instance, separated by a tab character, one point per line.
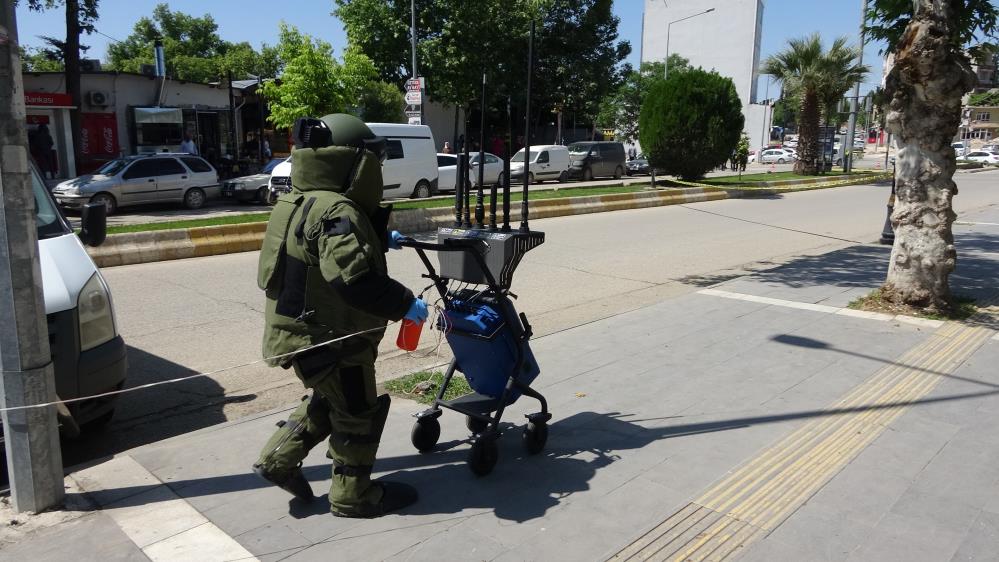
189	316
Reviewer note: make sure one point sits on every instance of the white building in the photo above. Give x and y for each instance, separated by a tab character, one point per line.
726	40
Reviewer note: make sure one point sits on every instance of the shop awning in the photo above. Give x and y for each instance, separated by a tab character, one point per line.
158	115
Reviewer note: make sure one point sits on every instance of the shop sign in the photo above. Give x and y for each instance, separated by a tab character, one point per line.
46	99
38	120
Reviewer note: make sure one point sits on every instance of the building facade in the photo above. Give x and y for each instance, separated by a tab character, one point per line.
124	114
726	40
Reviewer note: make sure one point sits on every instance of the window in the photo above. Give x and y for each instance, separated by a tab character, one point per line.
141	169
447	160
168	167
393	150
490	159
543	157
47	219
158	134
197	165
984	116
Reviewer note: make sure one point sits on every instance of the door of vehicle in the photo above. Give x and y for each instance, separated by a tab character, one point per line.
138	183
494	167
171	179
544	169
596	161
447	169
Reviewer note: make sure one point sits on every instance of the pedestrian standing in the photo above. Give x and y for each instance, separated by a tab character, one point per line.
267	149
188	145
447	148
44	147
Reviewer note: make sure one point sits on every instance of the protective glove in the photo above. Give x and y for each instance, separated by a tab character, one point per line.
393	241
417	311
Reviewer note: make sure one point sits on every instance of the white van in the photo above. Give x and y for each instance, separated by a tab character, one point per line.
87	353
548	162
409	170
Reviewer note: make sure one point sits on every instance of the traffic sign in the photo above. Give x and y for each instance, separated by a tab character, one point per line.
414	84
415	120
413	114
414	97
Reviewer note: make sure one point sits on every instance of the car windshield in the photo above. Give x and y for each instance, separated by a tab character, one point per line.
520	155
113	167
47	218
579	149
271	165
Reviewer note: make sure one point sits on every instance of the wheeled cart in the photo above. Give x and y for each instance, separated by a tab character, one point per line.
490	340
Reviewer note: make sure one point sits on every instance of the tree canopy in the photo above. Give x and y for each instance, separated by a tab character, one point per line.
691	123
620	110
193	49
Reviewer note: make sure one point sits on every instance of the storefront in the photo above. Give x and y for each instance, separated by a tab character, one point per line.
162	129
50	137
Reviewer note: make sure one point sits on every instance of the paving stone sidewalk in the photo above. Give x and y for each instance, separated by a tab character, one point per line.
650	409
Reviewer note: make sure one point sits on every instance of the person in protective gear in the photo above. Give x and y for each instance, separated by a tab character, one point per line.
323	268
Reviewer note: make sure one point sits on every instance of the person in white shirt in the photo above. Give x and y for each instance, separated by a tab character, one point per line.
188	145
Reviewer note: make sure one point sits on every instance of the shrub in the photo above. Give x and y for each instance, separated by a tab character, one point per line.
690	123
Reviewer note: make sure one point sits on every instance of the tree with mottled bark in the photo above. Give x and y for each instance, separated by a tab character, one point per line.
930	40
814	76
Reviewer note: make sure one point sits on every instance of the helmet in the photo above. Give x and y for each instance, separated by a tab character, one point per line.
347	130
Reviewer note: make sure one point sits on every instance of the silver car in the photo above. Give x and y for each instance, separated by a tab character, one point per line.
136	180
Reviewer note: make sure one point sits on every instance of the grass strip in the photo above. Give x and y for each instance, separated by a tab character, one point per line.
531	195
775	176
191	223
423	386
962	307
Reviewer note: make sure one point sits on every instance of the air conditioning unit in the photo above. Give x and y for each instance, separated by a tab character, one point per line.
90	65
98	98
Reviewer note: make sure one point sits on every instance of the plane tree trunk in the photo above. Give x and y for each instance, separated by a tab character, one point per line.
808	134
925	86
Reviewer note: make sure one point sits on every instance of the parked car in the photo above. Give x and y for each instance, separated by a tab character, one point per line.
981	156
409	169
548	162
447	170
775	156
595	159
639	166
135	180
253	187
960	149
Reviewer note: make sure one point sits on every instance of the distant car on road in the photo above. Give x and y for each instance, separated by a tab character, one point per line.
960	149
981	156
136	180
548	162
252	187
775	156
639	166
447	170
595	159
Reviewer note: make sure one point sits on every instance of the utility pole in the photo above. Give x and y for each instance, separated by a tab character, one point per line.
34	460
851	128
412	38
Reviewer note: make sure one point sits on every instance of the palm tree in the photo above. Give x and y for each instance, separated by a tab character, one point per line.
817	78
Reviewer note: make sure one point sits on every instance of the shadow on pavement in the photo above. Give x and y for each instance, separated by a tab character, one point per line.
149	415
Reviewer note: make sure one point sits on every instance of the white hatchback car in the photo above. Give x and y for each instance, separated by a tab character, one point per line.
981	156
776	156
447	170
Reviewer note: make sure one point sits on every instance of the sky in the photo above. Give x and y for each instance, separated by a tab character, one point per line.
257	21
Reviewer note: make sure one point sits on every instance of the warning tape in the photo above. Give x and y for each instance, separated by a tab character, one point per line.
189	377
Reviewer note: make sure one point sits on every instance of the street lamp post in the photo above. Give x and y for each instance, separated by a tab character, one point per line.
669	25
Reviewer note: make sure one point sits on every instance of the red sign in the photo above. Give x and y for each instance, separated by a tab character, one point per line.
38	120
98	135
46	99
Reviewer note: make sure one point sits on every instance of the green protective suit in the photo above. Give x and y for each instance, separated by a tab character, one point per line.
323	268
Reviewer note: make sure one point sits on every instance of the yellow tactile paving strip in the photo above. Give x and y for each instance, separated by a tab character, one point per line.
755	499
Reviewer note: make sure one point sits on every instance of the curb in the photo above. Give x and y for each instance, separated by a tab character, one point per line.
164	245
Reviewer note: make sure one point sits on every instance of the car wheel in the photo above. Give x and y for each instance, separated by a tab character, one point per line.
194	198
263	195
563	177
422	190
499	180
530	178
109	202
618	173
780	160
587	174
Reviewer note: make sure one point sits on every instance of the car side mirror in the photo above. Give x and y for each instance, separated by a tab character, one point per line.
93	224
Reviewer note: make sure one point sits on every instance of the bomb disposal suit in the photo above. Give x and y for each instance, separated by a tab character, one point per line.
324	272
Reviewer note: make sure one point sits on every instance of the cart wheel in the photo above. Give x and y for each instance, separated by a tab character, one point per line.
426	432
483	456
475	425
535	437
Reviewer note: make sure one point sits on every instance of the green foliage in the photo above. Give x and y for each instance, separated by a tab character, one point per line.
40	60
620	110
990	97
313	82
690	123
381	102
786	112
974	20
193	49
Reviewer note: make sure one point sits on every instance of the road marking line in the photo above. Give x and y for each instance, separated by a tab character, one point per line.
965	223
752	501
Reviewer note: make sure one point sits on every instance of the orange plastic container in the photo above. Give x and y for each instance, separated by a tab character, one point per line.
409	335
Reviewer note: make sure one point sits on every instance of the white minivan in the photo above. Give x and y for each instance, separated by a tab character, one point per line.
88	355
409	170
548	162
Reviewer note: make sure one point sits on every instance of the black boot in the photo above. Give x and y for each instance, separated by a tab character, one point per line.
395	496
295	483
